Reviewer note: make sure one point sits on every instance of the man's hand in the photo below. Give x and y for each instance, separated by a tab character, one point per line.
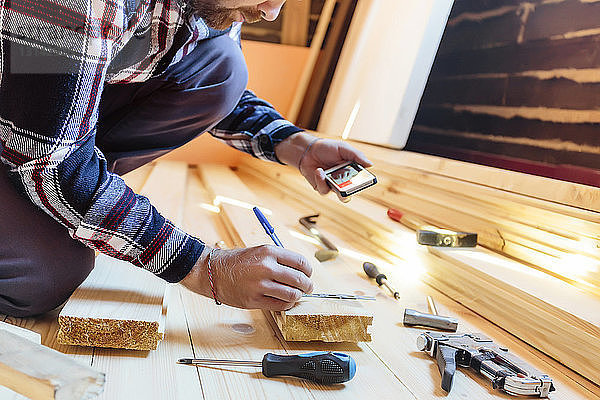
321	155
265	277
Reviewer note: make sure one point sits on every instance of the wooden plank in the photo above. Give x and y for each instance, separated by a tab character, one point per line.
513	91
294	26
320	82
560	320
311	318
136	178
575	53
564	193
548	251
392	342
225	332
118	305
535	213
489	147
315	49
464	121
41	373
155	374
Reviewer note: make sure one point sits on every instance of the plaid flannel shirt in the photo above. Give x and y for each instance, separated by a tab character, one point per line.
55	57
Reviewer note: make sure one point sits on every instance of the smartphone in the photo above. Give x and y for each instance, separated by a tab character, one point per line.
349	178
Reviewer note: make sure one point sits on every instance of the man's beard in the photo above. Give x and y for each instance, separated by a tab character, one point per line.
221	18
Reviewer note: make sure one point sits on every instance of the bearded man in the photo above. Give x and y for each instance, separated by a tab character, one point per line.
93	89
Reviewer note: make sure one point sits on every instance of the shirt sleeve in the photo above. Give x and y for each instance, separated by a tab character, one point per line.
53	62
254	126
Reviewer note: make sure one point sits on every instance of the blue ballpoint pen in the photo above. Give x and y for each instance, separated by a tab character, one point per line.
268	228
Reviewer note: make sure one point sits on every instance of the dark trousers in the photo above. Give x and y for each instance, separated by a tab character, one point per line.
40	264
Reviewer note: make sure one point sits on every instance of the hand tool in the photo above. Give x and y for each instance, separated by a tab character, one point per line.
381	279
331	251
271	232
416	318
433	236
474	350
321	367
433	320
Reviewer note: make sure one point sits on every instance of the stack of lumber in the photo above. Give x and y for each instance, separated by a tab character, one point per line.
118	305
552	309
312	318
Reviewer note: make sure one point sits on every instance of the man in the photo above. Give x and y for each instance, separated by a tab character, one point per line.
92	89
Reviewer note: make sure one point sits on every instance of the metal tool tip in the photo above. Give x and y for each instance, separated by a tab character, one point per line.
186	361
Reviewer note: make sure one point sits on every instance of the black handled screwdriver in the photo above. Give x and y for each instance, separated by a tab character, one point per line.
381	279
321	367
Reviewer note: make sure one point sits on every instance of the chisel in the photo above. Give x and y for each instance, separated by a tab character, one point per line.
321	367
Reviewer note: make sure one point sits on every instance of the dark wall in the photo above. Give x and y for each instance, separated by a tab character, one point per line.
517	85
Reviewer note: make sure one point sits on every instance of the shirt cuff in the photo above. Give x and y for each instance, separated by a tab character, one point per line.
264	142
184	261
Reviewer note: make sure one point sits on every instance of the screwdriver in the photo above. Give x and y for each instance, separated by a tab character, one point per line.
381	279
320	367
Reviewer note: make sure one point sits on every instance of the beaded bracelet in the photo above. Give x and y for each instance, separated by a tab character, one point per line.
210	278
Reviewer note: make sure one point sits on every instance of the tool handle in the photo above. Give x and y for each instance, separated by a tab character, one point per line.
321	367
373	272
446	361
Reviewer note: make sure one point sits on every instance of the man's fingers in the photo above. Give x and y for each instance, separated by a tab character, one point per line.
281	292
293	278
351	154
322	186
294	260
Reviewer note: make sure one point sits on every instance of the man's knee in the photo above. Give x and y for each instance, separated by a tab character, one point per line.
41	282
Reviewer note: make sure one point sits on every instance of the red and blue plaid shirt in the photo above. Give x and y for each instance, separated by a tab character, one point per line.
55	57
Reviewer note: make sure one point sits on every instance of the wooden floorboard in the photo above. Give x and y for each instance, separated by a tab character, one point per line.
196	326
395	343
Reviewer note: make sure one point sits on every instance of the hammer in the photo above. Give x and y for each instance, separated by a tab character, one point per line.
416	318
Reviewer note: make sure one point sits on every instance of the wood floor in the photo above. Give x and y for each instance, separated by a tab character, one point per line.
389	367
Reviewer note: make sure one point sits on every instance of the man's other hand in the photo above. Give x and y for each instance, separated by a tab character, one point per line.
312	156
264	277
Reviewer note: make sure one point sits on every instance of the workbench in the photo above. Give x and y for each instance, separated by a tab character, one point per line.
389	367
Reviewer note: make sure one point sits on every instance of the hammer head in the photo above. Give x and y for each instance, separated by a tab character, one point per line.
416	318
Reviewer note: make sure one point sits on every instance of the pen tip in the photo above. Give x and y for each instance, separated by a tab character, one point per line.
184	361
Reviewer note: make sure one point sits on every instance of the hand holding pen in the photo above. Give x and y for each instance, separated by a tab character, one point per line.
265	277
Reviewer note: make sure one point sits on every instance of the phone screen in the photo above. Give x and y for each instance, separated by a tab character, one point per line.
343	176
351	177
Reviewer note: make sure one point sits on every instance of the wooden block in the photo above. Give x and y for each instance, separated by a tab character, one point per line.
119	305
324	320
41	373
311	318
